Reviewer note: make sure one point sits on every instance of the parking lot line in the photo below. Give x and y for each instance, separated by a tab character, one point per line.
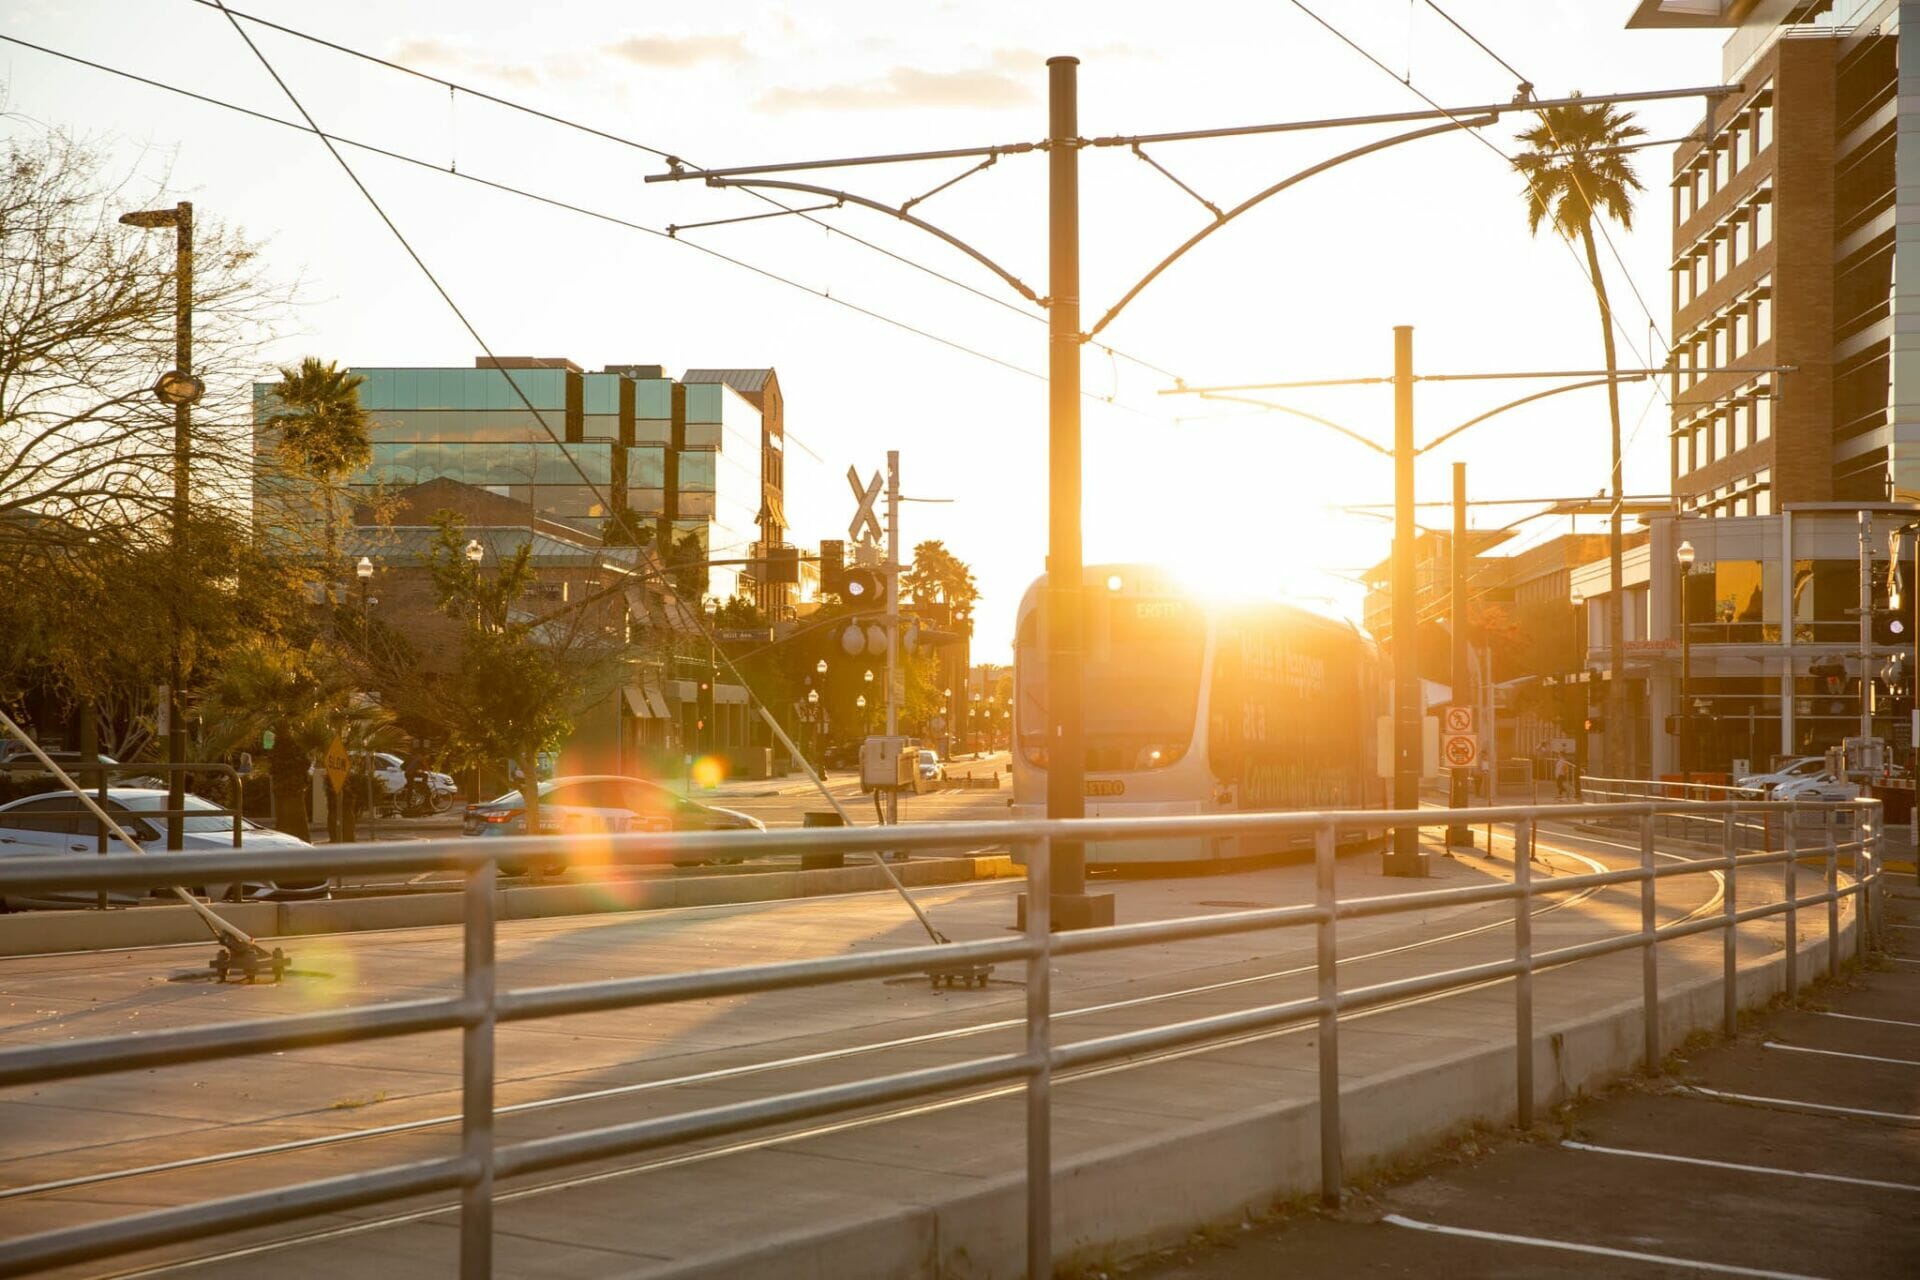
1836	1053
1741	1168
1856	1017
1568	1246
1794	1104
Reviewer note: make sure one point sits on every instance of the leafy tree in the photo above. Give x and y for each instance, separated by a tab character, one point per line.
1577	169
322	438
86	324
937	575
520	678
303	696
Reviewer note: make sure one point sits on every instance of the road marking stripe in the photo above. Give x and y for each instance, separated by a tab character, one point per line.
1856	1017
1794	1104
1742	1168
1835	1053
1898	960
1537	1242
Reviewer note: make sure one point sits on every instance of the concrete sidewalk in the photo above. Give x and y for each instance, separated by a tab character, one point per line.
1793	1150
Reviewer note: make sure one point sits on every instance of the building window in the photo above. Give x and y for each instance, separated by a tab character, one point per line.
1762	412
1741	144
1763	121
1763	502
1722	166
1762	318
1762	217
1720	264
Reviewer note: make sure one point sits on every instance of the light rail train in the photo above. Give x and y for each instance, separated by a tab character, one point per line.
1192	706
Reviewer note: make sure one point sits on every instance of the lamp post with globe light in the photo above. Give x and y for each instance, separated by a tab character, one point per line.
179	388
1579	601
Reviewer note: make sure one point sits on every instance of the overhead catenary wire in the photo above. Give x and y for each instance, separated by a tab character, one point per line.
1605	234
1422	95
567	206
624	141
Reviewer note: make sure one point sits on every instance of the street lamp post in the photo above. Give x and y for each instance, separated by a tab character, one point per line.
364	572
1579	601
1684	558
475	553
178	388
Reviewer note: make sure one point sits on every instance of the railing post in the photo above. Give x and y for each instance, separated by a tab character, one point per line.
1523	980
1649	958
476	1078
1332	1172
1863	869
1730	939
1833	900
1040	1050
1793	909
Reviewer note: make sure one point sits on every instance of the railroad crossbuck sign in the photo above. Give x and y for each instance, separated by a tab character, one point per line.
866	521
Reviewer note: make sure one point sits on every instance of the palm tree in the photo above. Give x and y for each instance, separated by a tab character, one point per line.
323	438
1576	166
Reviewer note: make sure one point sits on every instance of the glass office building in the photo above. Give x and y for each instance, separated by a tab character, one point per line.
583	449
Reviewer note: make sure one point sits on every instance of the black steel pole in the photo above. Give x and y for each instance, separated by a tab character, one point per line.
1066	748
182	437
1404	859
1460	833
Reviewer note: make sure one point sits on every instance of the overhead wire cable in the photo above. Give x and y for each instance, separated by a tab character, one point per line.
1605	233
621	140
557	203
1422	95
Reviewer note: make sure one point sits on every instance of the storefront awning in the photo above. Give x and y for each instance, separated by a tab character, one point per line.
644	704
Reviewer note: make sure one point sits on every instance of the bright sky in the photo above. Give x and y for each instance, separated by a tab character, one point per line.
1308	286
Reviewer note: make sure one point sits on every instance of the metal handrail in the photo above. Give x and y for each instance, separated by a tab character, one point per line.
480	1006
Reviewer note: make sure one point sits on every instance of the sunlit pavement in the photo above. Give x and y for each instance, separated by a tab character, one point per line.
1793	1150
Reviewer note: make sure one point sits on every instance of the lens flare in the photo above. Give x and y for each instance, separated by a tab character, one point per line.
709	771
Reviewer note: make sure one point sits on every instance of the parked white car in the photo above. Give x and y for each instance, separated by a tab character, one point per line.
56	822
1819	786
1798	769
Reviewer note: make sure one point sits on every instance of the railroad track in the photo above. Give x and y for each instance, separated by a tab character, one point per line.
119	1185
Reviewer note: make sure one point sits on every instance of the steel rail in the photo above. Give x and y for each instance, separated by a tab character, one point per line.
257	1208
478	1008
117	871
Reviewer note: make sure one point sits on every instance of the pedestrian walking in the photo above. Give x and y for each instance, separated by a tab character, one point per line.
1562	777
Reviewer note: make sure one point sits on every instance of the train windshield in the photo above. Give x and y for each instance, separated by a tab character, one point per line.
1142	682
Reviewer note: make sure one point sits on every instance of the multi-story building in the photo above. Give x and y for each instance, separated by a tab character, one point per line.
694	461
1796	427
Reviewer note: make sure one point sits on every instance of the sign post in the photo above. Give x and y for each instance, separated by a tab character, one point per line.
1460	751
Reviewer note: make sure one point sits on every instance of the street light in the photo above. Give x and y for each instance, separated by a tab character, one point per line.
475	552
364	572
179	388
821	666
1684	557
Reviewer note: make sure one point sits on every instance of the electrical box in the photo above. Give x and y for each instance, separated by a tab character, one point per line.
886	763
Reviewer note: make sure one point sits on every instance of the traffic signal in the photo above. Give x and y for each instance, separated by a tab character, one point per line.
1891	626
833	565
1594	724
703	717
862	586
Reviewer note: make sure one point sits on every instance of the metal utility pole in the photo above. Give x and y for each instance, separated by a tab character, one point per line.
1071	906
893	615
1403	859
1866	625
180	389
1458	792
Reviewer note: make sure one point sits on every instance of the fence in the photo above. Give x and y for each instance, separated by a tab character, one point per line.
1764	830
481	1006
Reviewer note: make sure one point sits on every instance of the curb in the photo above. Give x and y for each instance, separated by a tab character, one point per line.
49	932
